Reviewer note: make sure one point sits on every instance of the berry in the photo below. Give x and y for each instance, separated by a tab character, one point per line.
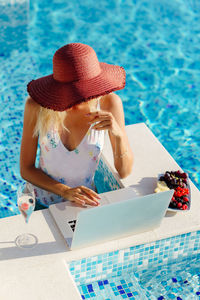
178	172
184	185
178	181
170	186
177	194
179	205
167	178
185	199
180	200
174	181
184	175
181	192
184	207
172	204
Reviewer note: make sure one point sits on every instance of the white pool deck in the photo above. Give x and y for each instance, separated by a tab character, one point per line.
40	273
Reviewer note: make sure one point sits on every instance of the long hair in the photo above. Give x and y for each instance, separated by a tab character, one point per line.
46	118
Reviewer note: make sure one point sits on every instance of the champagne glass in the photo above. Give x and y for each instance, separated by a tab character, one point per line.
26	204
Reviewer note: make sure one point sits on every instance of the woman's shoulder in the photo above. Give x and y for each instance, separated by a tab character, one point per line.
111	101
31	103
31	107
31	111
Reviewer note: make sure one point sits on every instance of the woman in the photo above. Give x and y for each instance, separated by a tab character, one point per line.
67	113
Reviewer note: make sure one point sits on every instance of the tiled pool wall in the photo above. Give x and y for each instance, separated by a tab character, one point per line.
104	178
136	258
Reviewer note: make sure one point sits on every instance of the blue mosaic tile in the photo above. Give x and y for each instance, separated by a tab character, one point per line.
90	289
137	261
104	179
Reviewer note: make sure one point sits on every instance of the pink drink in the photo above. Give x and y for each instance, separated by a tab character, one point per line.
26	205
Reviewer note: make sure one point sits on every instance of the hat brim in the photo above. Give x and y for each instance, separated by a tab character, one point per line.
60	96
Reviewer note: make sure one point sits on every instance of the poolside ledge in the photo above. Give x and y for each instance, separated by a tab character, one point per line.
41	273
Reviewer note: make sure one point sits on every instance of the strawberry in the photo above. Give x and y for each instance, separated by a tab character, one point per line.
179	205
184	207
185	199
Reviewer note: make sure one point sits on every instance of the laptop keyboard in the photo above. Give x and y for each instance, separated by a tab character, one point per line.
72	224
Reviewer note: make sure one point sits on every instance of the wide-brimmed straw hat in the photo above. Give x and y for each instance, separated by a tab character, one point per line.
77	76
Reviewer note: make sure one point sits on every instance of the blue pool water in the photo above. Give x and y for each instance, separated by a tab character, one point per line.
158	43
179	281
164	269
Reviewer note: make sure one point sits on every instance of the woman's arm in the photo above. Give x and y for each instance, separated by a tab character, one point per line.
112	118
36	176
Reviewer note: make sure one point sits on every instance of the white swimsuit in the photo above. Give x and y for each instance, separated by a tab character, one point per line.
73	168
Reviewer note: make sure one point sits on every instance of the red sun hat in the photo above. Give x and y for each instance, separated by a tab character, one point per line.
77	76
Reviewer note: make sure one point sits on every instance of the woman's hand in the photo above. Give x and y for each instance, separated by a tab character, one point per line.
106	121
111	117
81	195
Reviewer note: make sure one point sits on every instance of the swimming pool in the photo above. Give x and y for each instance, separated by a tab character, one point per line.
164	269
157	42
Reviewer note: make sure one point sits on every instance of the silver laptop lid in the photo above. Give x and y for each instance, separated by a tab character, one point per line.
117	220
65	213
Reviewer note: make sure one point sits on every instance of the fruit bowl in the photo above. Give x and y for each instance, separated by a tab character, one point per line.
178	181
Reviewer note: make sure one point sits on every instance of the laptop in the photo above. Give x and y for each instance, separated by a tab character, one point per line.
121	213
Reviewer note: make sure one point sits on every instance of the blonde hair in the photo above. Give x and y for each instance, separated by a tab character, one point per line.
47	117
